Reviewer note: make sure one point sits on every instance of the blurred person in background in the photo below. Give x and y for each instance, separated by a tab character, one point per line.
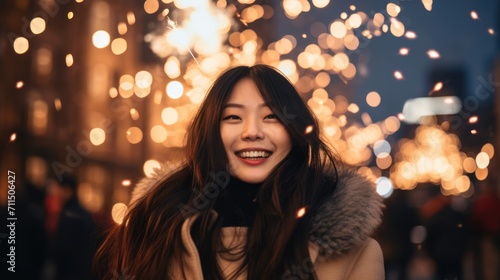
73	244
486	230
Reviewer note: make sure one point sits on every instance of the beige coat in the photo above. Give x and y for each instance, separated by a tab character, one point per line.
340	246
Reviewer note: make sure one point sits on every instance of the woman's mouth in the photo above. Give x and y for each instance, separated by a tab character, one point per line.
253	155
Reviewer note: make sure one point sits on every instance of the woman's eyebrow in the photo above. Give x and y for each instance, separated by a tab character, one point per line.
237	105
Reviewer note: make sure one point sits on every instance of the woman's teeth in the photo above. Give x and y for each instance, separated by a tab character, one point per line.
253	154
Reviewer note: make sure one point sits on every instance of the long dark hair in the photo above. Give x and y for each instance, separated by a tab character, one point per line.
149	239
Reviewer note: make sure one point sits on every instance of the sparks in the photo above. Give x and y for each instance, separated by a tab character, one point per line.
172	25
57	104
126	183
473	131
404	51
411	35
473	119
474	15
398	75
309	129
438	86
448	100
491	31
13	137
19	84
433	54
301	212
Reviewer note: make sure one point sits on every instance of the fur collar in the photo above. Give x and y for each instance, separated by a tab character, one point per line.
345	221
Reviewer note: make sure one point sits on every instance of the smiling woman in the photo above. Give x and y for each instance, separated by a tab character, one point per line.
254	139
259	196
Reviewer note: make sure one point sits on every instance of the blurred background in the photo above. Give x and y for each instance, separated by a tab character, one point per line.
95	94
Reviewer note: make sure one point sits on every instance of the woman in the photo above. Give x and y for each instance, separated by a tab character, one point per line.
259	196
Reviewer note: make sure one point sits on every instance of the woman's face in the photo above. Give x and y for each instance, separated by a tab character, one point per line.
254	139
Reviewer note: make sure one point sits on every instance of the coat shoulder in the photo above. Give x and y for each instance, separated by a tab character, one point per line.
348	217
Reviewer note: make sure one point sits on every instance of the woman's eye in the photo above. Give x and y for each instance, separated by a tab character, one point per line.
231	117
271	116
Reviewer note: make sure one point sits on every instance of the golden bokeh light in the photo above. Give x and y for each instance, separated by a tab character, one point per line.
482	160
37	25
134	135
404	51
150	166
393	10
159	133
373	99
122	28
151	6
143	79
100	39
175	89
488	149
69	60
21	45
338	29
397	28
433	54
169	116
97	136
118	212
118	46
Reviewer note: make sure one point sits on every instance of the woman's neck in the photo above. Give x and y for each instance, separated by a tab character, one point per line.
236	203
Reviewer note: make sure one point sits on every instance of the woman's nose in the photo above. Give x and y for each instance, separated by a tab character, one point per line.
252	130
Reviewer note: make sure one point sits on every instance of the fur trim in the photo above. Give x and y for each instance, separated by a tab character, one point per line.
146	184
343	222
348	217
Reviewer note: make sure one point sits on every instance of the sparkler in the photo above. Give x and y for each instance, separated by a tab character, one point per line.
172	25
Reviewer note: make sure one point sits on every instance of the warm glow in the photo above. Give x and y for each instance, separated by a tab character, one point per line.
13	137
19	84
